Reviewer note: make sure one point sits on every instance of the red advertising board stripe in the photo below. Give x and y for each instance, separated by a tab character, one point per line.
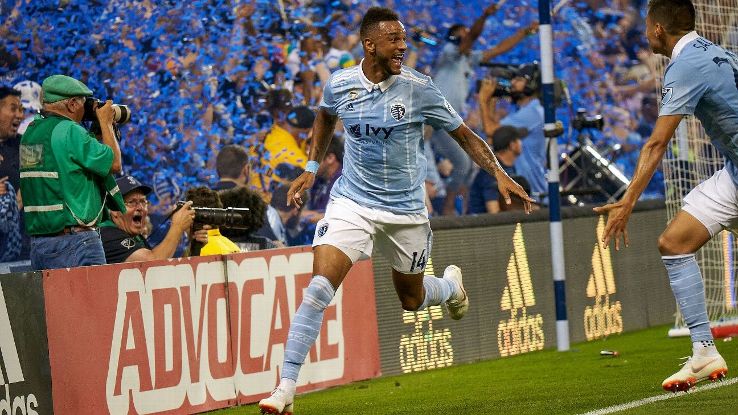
186	336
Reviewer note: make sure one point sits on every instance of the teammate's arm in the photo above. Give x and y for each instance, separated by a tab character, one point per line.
325	124
651	154
479	151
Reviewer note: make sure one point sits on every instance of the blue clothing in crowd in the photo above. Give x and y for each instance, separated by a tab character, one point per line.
484	189
11	237
532	162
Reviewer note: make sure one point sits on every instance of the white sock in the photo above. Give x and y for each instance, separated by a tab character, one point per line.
704	348
288	385
437	291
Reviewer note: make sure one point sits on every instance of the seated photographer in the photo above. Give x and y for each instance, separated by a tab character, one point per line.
246	239
124	235
484	195
524	91
207	222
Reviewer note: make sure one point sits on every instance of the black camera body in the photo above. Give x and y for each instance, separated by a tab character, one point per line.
582	121
505	72
121	113
231	218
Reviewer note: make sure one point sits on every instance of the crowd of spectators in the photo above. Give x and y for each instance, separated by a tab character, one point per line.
206	74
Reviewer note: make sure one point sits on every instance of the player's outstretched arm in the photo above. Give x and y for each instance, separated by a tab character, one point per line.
479	151
323	127
652	152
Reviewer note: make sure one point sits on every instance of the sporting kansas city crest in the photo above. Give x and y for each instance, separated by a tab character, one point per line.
397	111
322	230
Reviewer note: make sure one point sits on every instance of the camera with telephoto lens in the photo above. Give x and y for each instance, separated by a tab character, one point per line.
505	72
231	218
582	120
121	113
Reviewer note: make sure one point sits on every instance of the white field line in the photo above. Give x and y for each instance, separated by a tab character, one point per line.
662	397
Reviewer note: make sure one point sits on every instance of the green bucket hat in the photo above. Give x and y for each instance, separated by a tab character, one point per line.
59	87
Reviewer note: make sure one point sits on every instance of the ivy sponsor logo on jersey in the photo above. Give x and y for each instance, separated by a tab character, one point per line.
603	318
522	332
366	130
183	336
9	360
425	348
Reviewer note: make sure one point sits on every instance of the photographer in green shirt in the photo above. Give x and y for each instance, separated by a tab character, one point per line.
66	177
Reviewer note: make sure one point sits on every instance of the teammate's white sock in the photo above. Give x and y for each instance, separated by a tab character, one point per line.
689	289
704	348
288	385
437	291
306	325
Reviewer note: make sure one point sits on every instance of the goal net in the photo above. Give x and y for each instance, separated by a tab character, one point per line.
690	160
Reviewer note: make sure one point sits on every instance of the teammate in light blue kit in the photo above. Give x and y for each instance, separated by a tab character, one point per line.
701	80
380	196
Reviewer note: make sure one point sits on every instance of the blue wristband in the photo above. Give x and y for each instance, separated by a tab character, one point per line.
312	166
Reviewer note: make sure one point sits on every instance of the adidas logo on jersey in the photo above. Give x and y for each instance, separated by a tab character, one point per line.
350	107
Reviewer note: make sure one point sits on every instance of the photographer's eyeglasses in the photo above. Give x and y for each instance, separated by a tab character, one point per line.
137	202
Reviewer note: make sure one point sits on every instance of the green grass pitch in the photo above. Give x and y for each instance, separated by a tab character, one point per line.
546	382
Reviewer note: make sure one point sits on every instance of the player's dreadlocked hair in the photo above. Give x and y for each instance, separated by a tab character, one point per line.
373	17
677	16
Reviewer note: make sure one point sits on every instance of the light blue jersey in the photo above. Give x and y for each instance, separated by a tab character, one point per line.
702	80
384	164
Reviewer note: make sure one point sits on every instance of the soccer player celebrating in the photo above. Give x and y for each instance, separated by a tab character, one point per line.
380	196
701	80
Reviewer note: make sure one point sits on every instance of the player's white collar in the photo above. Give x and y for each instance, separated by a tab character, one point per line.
369	85
684	41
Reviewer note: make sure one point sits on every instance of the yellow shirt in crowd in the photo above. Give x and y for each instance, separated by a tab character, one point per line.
279	147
